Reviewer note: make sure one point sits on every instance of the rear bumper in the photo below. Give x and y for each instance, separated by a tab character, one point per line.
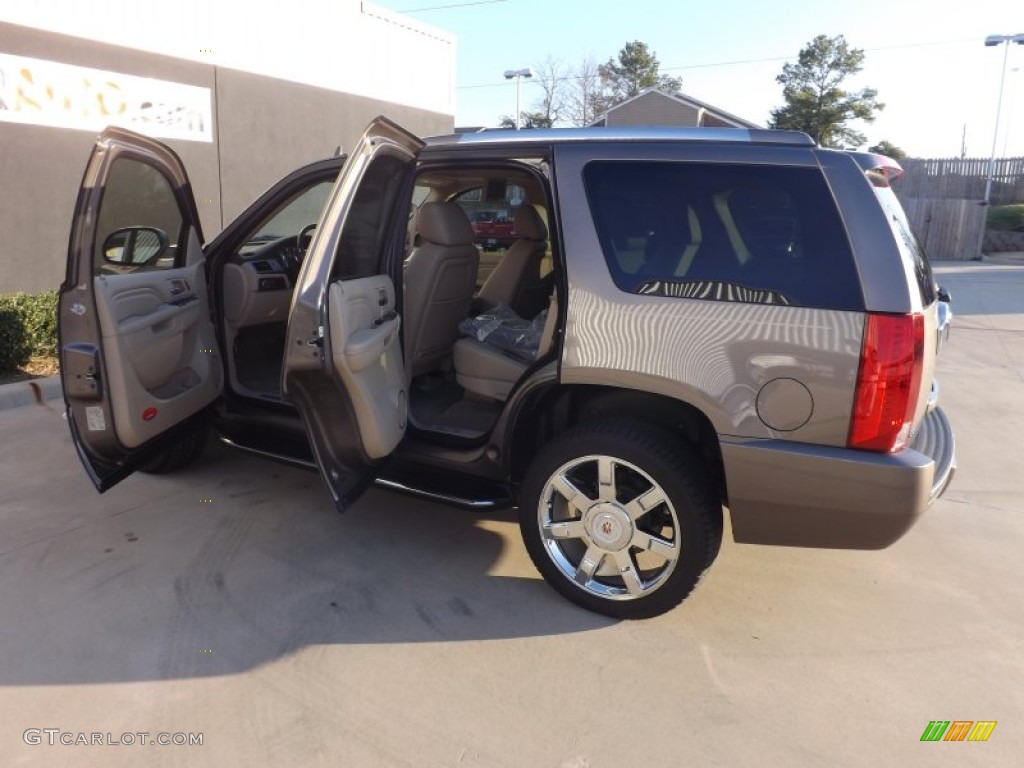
935	439
799	495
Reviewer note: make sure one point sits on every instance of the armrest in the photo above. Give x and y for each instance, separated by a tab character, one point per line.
366	345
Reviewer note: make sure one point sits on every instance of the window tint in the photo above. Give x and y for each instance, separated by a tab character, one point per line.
289	219
136	196
756	234
367	231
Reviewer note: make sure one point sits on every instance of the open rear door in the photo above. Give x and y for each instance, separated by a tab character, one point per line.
343	366
138	354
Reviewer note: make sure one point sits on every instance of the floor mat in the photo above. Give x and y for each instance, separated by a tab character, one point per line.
439	404
258	355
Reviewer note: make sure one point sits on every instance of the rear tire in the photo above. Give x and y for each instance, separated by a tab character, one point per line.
620	517
186	451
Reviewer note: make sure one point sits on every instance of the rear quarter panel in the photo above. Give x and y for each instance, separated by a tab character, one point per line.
886	252
717	356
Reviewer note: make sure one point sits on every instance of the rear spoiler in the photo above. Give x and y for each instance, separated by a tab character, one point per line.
882	170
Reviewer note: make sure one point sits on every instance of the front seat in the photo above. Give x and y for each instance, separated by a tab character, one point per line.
516	281
440	278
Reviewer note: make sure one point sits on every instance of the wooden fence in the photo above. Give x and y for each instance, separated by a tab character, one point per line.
947	229
943	198
962	178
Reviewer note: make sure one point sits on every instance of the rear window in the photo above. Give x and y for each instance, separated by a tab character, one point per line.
724	232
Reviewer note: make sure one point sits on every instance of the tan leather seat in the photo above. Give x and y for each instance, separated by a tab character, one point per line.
516	281
440	278
488	372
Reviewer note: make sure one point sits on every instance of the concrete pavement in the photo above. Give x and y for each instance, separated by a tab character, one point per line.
231	600
19	393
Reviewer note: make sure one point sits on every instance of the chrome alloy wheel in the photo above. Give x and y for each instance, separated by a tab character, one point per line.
609	527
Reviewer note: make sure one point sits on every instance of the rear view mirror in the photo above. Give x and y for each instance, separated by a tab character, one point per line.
135	246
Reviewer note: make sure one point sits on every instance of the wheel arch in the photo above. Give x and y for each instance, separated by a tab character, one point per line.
546	413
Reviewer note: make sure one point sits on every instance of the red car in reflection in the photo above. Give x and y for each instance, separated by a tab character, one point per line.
493	229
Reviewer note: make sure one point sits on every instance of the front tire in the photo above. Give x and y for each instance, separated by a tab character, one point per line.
621	518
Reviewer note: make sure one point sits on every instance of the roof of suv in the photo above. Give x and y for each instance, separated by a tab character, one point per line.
645	133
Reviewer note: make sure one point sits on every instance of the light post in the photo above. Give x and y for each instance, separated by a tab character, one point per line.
519	74
991	41
1009	111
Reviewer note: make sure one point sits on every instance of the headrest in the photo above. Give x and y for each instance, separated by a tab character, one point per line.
528	224
444	224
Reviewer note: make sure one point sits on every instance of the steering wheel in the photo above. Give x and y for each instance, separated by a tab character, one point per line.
305	238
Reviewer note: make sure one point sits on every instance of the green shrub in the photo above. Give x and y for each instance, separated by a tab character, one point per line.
14	346
38	314
1006	218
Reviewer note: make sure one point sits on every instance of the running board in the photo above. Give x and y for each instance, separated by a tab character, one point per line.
291	461
443	498
480	504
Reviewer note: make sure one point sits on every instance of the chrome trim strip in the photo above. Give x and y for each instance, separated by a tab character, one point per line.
943	450
268	455
440	497
933	397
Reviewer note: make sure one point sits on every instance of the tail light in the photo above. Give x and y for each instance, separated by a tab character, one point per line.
888	382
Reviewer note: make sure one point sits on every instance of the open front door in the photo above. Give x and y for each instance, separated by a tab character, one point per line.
343	367
138	355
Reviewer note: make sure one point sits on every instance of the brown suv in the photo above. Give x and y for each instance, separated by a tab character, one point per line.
687	320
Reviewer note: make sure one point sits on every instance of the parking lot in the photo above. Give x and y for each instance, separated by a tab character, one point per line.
232	601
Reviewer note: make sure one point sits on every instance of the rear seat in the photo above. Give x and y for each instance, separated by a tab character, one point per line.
488	372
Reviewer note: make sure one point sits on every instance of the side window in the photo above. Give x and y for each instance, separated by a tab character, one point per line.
368	229
746	233
290	218
300	211
140	225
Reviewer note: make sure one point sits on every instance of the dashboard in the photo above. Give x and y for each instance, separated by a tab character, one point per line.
258	282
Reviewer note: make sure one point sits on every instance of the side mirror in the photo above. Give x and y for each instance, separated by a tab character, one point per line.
135	246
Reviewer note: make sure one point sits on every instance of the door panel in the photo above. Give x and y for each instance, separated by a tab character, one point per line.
342	350
368	358
158	346
139	360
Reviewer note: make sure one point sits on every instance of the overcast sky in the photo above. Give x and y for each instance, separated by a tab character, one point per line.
926	58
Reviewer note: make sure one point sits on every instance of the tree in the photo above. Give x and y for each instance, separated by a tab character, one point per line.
583	98
527	120
815	101
635	69
888	149
551	75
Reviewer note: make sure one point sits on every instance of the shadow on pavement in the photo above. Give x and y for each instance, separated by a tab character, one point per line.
151	581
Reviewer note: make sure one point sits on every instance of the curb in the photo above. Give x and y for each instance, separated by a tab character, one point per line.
1006	257
19	393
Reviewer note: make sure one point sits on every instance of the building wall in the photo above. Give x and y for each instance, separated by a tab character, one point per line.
711	121
263	127
654	109
350	46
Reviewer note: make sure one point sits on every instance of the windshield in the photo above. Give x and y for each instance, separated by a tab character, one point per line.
302	210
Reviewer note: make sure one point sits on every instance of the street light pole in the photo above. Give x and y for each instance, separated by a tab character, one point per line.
1009	113
518	75
991	41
